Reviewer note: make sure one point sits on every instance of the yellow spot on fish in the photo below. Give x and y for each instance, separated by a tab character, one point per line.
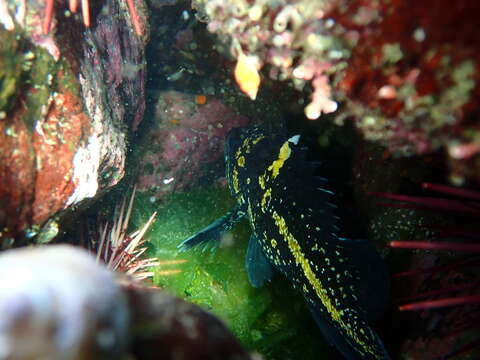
267	196
274	243
283	155
262	179
239	151
246	74
241	161
257	139
235	181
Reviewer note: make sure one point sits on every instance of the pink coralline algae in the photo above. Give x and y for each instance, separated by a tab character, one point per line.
188	137
293	39
405	71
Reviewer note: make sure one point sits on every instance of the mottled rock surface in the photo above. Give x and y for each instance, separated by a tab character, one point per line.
67	102
178	330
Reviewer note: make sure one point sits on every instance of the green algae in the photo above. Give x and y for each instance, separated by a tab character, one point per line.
29	75
10	69
25	72
272	320
217	279
39	83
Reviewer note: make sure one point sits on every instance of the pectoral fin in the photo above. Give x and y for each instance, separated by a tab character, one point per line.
259	269
212	234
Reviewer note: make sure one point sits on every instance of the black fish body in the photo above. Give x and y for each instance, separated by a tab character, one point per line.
294	232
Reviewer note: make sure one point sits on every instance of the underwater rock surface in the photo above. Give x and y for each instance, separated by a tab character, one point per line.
178	330
67	100
188	134
406	72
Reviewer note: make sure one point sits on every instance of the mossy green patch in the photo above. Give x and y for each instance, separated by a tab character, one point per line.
10	69
217	280
29	75
38	85
272	320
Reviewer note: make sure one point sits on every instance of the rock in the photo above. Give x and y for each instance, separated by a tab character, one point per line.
67	104
178	330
